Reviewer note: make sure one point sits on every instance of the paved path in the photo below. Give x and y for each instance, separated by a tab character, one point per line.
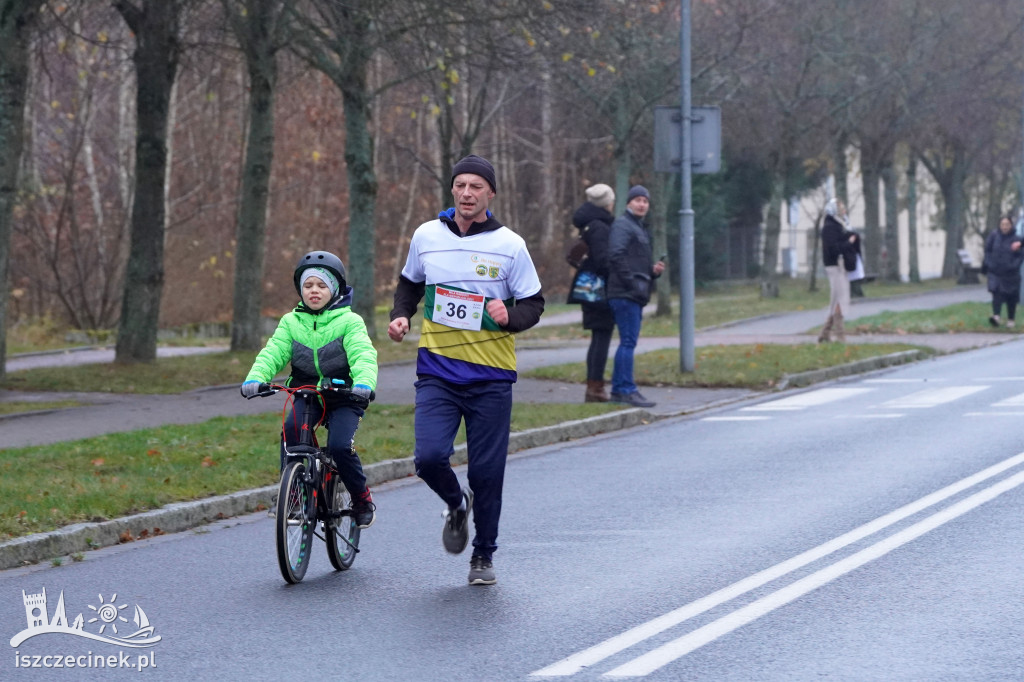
107	413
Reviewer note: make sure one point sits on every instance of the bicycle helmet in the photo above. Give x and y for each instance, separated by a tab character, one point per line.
321	259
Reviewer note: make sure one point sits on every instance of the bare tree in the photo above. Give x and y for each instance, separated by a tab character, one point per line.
17	19
258	25
72	214
340	40
155	24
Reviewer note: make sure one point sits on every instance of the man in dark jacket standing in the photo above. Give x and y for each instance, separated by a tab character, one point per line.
631	271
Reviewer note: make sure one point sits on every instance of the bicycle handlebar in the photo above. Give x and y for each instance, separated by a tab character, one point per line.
327	385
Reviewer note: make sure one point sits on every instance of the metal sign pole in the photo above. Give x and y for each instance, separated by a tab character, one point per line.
686	248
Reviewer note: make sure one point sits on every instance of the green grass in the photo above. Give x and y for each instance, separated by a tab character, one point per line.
46	487
165	375
755	366
960	317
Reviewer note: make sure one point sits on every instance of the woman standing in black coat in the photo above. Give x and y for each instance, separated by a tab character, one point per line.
593	220
1003	256
839	250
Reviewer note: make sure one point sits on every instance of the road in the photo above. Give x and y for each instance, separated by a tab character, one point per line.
867	529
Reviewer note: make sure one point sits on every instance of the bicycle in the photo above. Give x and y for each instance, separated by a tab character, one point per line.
311	492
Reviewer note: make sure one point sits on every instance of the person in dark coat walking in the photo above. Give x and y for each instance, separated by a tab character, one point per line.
593	219
1003	256
631	274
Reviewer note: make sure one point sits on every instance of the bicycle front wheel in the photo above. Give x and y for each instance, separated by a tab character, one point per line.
341	532
296	520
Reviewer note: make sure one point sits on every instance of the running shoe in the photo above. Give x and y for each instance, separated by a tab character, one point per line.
455	535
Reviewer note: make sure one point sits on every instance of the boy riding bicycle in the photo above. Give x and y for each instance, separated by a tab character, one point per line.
323	338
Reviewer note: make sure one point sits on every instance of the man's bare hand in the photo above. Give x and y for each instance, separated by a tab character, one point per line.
497	310
398	328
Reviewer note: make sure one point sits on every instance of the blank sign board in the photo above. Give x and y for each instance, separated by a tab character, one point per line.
705	139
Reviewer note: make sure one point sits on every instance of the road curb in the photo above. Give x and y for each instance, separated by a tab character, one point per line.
815	376
180	516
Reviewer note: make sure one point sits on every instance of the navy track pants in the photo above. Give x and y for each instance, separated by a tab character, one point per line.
487	408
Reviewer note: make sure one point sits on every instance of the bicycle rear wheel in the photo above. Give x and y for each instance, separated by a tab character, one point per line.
296	520
341	532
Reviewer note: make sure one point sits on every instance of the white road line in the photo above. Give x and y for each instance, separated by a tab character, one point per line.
893	415
751	418
994	414
671	651
930	397
900	381
810	399
597	653
1013	401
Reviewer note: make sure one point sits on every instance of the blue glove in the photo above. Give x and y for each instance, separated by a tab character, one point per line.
362	390
250	388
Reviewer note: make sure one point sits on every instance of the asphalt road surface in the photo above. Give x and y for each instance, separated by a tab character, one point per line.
867	529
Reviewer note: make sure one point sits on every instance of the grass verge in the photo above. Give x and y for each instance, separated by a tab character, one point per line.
960	317
755	366
94	479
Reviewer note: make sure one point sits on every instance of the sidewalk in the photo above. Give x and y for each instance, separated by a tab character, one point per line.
107	413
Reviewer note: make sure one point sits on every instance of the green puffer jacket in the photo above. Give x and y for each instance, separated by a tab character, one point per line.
332	344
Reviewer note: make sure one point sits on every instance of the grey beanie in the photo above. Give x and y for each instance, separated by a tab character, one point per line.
600	195
637	191
477	166
323	275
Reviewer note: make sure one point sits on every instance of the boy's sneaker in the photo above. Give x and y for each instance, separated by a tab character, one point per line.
455	534
481	571
364	510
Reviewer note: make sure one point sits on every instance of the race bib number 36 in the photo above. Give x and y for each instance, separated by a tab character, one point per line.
458	309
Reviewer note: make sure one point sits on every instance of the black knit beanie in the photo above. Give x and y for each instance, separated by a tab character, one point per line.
637	191
477	166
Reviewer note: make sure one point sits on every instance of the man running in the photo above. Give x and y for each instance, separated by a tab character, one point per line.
480	287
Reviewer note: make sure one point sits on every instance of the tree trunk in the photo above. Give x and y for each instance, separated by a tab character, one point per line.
246	332
812	285
948	166
772	230
659	245
17	18
915	272
362	187
842	169
547	195
892	225
621	158
872	244
952	186
155	26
